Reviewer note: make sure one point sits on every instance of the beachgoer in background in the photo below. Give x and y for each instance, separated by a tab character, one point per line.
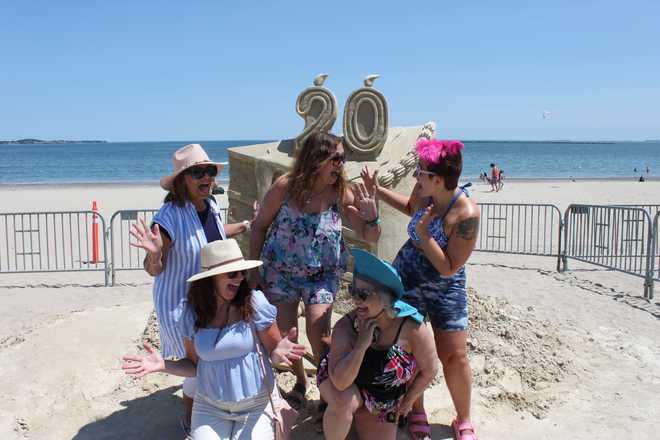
635	170
494	176
641	178
221	320
298	234
188	219
443	232
381	357
500	181
647	170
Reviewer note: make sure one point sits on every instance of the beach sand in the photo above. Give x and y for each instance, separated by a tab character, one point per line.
571	355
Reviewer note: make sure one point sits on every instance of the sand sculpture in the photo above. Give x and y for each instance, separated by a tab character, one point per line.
368	141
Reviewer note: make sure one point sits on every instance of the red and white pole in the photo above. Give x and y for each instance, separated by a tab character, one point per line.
95	233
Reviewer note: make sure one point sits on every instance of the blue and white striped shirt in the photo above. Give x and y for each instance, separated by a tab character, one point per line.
170	286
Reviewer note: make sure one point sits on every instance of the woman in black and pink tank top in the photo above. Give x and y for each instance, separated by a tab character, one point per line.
381	356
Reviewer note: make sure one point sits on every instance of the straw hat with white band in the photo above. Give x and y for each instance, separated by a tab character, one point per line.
222	256
184	158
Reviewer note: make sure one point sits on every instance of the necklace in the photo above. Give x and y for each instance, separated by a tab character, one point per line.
309	199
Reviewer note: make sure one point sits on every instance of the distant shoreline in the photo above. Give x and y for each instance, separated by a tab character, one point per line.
39	141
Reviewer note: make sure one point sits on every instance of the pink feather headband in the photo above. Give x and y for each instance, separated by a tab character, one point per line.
434	150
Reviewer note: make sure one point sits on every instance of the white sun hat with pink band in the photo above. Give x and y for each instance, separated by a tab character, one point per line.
184	158
222	256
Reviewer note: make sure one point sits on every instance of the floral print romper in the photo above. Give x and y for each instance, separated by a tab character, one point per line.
304	256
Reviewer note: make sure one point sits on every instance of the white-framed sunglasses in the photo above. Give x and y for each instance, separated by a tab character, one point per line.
419	170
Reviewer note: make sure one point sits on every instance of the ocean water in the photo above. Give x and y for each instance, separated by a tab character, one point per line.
148	161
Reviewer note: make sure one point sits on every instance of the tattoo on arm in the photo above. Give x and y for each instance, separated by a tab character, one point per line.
468	228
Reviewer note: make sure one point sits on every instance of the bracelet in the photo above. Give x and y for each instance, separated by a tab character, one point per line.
374	222
247	224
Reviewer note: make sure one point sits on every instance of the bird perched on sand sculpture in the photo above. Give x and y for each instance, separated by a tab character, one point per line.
369	80
320	79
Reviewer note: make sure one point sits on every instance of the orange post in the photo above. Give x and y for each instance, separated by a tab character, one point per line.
95	233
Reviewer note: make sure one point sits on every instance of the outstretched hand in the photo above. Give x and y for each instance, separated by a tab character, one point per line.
365	202
370	179
140	366
287	350
148	239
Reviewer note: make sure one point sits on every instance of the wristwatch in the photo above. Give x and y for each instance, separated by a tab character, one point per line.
247	224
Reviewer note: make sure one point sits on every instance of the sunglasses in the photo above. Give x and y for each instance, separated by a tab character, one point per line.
419	171
338	159
200	172
234	274
361	294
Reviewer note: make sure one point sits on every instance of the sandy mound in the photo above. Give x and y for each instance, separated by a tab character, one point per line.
514	356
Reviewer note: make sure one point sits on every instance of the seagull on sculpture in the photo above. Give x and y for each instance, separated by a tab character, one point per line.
320	79
369	80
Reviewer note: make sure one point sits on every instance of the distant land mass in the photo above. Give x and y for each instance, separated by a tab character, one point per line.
550	141
39	141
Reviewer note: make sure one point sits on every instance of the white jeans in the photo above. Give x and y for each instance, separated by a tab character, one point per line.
217	420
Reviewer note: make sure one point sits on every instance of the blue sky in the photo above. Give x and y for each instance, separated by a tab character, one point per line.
173	70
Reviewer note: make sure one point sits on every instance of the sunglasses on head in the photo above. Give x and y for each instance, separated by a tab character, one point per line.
338	159
419	171
234	274
199	172
361	294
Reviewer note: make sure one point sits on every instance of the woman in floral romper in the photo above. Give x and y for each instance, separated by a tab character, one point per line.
298	236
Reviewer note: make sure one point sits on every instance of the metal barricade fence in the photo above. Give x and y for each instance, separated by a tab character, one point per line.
53	242
650	208
655	258
622	238
123	256
614	237
519	228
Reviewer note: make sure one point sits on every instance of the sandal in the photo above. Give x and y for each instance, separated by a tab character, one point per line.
460	427
296	397
418	426
318	420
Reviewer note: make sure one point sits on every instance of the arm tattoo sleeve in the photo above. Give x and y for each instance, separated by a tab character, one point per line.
468	228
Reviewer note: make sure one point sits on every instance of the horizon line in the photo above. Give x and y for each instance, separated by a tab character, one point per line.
576	141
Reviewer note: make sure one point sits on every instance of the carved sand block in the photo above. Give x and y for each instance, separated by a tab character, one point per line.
366	121
318	107
368	141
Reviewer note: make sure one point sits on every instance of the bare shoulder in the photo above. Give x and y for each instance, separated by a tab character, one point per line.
464	219
414	334
464	208
281	183
343	326
467	208
414	329
342	336
277	191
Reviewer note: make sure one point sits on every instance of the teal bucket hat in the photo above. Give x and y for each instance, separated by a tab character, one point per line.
369	266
